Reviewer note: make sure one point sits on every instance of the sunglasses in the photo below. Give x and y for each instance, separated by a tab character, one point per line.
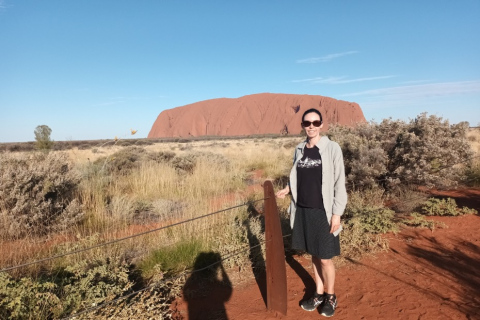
315	123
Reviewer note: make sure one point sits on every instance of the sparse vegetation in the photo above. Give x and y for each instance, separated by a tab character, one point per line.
56	202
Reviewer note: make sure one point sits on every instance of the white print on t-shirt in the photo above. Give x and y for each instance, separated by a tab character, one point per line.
309	163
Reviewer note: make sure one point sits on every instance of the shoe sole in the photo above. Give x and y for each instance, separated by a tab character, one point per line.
328	316
309	309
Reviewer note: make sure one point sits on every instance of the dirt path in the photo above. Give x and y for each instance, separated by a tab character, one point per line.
425	275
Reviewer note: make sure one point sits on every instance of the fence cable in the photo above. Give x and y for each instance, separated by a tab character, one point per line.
126	238
185	274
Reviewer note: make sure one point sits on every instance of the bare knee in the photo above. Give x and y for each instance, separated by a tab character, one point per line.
326	262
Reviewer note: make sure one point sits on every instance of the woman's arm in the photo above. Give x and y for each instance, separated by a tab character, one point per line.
339	188
282	193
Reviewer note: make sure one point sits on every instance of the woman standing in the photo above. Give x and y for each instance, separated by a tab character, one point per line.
319	197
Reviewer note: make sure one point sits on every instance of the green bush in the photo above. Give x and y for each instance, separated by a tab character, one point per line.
366	208
69	290
356	241
376	220
28	299
89	284
445	207
418	220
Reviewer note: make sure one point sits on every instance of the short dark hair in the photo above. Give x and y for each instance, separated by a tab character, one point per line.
310	111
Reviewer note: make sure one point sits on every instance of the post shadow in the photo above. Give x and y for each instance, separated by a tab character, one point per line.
307	279
208	288
257	261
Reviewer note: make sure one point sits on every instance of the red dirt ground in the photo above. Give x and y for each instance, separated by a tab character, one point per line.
425	275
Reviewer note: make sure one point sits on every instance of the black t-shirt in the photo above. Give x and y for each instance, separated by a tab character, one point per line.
309	179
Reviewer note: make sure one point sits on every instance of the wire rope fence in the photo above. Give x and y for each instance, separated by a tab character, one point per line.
127	237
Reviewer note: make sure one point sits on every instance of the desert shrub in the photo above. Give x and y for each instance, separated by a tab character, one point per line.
154	302
445	207
406	199
238	234
85	284
364	158
28	299
472	175
92	283
426	151
366	207
375	219
125	142
37	194
428	147
144	142
122	161
186	163
418	220
356	241
161	156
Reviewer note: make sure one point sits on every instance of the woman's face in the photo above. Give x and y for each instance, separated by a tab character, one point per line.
312	131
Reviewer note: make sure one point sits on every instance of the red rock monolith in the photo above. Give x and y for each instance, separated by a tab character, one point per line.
263	113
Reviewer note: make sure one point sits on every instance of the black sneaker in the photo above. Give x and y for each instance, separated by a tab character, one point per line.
329	306
312	303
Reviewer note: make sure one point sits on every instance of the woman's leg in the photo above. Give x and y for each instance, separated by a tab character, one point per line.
324	271
328	273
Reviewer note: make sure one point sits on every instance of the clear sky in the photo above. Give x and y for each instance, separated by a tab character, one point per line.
94	69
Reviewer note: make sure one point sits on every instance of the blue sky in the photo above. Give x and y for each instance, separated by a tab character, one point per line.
96	69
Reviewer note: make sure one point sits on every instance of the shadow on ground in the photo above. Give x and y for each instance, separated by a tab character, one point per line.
208	288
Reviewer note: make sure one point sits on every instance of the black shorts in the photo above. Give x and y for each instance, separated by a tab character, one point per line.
311	233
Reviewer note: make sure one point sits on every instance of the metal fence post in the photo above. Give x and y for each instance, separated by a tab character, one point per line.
275	254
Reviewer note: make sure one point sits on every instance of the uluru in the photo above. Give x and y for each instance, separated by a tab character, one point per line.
263	113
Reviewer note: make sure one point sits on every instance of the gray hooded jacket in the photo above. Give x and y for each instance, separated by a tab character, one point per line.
334	192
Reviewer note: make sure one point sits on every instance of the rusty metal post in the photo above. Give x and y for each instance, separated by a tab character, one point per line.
276	270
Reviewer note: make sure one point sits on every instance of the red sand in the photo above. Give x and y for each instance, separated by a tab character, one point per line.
425	275
253	114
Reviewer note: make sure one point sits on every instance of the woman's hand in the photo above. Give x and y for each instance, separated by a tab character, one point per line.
282	193
335	223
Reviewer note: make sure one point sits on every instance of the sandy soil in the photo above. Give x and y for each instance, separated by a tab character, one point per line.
425	275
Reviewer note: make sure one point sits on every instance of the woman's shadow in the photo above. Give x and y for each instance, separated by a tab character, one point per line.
208	288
